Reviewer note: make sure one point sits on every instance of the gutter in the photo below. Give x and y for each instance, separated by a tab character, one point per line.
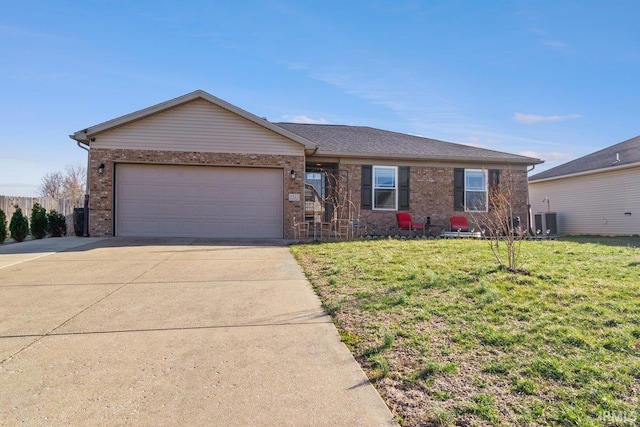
85	226
589	172
449	159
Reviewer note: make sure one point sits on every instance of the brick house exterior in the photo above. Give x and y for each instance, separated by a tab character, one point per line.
431	195
200	167
431	166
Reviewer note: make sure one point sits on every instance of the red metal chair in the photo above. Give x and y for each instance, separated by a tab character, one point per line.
406	223
458	223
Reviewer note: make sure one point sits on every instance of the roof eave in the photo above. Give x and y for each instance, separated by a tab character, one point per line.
473	159
584	173
81	137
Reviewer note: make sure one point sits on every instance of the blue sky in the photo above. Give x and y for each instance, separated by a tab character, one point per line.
551	79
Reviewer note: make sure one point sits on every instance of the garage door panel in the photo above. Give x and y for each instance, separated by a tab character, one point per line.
193	192
198	201
150	227
227	193
129	190
190	227
146	208
174	209
129	209
269	212
208	194
257	194
127	227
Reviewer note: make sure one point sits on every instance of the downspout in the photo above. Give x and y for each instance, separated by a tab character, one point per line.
529	214
85	228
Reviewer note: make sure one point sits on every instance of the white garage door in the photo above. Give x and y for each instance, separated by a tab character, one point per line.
198	201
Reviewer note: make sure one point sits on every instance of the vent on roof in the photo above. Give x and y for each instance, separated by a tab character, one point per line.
617	158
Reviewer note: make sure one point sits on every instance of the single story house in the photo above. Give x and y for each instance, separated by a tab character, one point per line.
197	166
595	194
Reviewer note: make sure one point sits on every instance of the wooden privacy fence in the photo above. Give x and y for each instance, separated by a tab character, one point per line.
63	206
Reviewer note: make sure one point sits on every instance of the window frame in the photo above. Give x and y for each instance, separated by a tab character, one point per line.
374	187
485	190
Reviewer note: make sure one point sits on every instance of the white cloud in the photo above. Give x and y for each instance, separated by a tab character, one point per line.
535	118
398	98
304	119
554	44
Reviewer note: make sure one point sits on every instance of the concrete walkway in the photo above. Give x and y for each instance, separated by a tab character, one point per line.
170	332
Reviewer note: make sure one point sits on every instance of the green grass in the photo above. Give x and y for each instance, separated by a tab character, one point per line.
436	322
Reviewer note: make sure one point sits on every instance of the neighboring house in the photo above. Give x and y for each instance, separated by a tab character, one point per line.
197	166
595	194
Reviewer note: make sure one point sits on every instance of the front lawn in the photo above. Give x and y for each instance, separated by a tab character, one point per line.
449	339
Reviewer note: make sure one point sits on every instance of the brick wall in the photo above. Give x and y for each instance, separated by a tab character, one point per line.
102	190
431	194
431	188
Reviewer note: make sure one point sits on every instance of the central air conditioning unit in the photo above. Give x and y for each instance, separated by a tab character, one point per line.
545	224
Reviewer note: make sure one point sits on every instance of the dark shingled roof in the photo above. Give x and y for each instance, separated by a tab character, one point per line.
362	141
621	154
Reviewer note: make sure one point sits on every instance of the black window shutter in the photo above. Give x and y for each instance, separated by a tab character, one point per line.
366	187
458	189
494	179
494	182
403	188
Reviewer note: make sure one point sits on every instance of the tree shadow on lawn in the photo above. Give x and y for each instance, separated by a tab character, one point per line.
622	241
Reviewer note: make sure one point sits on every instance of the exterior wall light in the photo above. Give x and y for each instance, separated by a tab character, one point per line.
292	174
101	168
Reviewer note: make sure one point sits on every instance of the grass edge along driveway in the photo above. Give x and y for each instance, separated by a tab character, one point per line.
449	339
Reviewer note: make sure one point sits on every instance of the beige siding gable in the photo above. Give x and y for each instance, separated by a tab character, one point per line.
197	126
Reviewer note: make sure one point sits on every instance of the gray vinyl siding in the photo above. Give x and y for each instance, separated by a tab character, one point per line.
592	204
197	126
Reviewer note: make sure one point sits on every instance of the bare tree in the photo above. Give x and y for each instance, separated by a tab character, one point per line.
51	185
345	211
500	228
67	185
74	182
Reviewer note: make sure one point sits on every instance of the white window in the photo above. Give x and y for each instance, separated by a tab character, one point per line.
475	190
385	188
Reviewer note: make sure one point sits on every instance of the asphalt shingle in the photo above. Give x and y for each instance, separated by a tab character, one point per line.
624	153
363	141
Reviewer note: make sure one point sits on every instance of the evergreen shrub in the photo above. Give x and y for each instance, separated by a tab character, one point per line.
38	221
3	226
57	224
19	225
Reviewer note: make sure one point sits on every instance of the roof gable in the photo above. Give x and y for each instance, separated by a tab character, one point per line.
196	126
622	154
84	136
362	141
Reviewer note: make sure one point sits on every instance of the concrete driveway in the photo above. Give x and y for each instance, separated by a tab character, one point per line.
127	331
